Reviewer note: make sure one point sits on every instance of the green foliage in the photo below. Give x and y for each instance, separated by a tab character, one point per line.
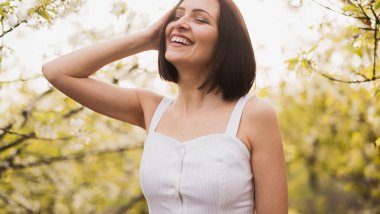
357	40
331	132
55	155
77	161
5	9
13	13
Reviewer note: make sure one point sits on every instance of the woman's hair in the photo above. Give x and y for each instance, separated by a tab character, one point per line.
234	67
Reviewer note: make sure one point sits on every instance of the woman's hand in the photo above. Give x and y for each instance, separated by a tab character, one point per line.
153	32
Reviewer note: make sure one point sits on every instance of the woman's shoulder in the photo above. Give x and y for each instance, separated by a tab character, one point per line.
149	100
259	121
258	108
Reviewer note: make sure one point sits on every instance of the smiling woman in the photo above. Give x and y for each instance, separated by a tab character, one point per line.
213	148
214	35
197	27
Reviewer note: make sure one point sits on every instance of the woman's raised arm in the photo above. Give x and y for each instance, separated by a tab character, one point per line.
70	74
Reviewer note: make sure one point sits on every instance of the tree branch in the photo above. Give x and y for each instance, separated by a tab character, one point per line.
12	28
13	203
349	81
72	112
376	40
26	112
17	142
341	13
359	74
9	126
363	11
51	160
10	160
37	138
374	14
366	29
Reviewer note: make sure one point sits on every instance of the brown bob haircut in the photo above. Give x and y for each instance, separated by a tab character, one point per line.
234	67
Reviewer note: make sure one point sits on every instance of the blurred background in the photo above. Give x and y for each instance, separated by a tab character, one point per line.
318	64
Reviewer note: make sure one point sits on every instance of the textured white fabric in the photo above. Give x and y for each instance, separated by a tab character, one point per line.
206	175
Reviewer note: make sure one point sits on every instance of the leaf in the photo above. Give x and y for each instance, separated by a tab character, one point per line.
377	5
306	63
31	11
7	4
312	49
44	14
377	142
292	63
351	8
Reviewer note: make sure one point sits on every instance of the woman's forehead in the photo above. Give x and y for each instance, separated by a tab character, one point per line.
210	6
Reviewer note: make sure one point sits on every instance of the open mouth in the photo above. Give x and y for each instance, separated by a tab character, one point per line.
181	40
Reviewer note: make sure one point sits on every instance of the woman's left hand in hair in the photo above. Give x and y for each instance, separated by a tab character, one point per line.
153	32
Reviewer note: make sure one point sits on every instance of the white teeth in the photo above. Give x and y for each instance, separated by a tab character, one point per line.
180	40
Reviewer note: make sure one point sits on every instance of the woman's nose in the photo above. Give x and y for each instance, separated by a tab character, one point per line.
182	24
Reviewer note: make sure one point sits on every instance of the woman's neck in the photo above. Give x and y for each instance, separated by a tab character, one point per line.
188	104
192	100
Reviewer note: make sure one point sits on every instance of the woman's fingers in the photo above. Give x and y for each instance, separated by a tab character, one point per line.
155	30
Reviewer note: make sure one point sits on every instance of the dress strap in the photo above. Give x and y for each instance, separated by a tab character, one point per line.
235	118
161	108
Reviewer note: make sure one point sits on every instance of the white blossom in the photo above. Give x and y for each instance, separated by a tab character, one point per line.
12	20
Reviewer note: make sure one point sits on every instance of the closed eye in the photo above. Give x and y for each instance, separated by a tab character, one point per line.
201	19
175	18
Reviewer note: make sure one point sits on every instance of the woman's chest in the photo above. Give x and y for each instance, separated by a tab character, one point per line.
184	128
204	168
188	128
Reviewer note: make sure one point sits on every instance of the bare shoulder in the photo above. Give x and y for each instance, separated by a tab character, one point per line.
149	101
258	110
260	121
148	98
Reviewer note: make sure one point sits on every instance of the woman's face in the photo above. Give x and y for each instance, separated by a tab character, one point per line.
192	35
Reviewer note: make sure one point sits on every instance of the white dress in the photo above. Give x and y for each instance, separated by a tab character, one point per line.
206	175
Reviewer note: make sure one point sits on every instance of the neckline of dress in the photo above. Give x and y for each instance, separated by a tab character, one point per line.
198	139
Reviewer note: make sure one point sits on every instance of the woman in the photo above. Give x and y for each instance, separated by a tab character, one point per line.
212	149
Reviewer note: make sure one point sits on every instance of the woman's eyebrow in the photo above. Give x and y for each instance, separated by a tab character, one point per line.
196	10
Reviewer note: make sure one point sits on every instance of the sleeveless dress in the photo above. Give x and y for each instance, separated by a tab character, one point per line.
210	174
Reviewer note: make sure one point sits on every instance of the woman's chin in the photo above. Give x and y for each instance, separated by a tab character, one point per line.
175	59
